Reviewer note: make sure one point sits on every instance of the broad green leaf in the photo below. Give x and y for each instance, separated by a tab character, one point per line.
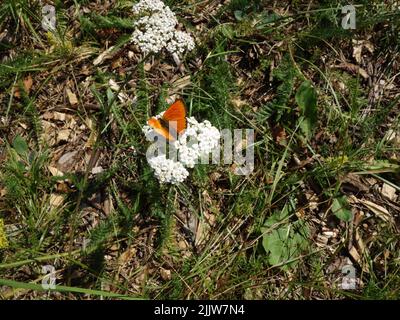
340	209
273	245
238	15
287	241
20	145
277	217
306	98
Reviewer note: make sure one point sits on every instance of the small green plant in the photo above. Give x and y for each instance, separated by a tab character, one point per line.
284	241
340	208
28	190
3	238
306	98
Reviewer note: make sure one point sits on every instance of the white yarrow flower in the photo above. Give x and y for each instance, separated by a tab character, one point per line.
155	29
167	170
199	139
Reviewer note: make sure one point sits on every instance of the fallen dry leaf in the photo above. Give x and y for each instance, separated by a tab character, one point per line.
67	160
360	242
63	135
358	46
380	211
97	170
71	97
237	102
388	191
353	69
113	85
355	255
179	84
165	274
279	135
103	56
123	97
356	181
147	66
126	256
55	172
357	50
56	200
390	135
56	116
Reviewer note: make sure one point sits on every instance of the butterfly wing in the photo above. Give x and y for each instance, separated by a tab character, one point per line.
159	128
177	113
174	115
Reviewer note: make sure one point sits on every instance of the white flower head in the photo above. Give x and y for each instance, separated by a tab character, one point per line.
151	5
156	29
167	170
198	140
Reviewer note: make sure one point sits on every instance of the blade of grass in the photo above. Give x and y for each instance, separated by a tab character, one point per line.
37	287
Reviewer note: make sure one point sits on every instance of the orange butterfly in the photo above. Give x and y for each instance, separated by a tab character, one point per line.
176	113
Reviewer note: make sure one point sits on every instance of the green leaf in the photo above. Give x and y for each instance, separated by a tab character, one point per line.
272	244
277	217
287	241
340	209
238	15
306	98
20	145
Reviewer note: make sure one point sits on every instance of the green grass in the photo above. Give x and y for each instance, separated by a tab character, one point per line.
321	141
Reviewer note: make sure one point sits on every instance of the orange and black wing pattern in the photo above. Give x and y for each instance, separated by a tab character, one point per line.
173	119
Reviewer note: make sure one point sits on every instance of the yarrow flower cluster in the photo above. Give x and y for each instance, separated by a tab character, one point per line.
198	140
167	170
155	29
195	143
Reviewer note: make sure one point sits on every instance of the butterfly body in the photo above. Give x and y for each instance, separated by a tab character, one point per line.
172	122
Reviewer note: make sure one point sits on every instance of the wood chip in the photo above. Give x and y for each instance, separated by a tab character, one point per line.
59	116
67	160
389	192
147	66
165	274
55	172
97	170
103	56
63	135
56	200
355	255
360	242
71	97
353	69
380	211
357	50
356	181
